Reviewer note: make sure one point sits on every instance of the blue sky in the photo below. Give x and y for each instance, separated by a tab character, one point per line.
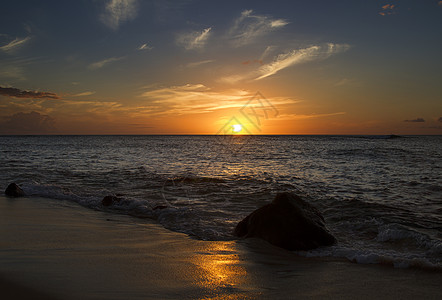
143	67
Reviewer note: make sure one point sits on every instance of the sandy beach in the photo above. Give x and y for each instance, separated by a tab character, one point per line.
59	250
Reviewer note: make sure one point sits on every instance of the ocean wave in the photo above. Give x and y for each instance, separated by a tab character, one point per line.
185	215
375	256
396	232
377	243
372	241
50	191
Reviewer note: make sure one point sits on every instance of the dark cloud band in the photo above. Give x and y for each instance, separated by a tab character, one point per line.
417	120
17	93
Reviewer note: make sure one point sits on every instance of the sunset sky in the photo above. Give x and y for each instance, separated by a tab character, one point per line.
198	67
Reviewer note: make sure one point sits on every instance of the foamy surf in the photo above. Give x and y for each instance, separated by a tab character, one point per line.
385	247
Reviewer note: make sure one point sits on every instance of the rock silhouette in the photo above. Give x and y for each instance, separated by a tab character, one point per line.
287	222
13	190
160	207
110	200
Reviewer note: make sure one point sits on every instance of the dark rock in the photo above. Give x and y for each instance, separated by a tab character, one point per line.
192	180
288	222
394	136
110	200
13	190
160	207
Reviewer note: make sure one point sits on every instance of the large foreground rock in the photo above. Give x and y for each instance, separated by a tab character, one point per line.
288	222
13	190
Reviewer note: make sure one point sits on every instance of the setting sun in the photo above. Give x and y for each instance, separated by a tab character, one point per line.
236	128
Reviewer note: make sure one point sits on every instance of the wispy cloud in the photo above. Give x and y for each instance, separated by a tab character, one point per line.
266	52
231	79
288	59
192	98
309	116
100	64
84	94
248	27
15	44
387	9
12	71
17	93
294	57
198	98
199	63
15	67
92	107
117	12
417	120
194	40
145	47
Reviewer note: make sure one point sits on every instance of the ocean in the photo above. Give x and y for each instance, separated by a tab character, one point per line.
381	197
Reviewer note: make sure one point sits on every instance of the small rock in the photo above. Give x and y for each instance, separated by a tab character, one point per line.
13	190
160	207
110	200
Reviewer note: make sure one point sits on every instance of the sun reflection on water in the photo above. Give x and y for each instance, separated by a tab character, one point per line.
221	272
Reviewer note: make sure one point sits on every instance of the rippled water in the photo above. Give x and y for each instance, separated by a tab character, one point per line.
382	198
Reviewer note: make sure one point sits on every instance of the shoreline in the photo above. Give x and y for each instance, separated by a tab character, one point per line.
58	249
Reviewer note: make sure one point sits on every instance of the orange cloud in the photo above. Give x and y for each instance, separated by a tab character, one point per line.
388	6
387	9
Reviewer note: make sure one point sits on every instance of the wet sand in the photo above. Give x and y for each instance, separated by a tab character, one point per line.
59	250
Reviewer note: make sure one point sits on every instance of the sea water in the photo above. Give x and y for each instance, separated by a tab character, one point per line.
381	197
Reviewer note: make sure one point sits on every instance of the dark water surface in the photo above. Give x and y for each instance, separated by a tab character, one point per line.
382	198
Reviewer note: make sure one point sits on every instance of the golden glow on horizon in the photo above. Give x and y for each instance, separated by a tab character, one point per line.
196	109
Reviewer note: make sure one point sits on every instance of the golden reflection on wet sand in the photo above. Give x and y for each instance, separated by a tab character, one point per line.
221	272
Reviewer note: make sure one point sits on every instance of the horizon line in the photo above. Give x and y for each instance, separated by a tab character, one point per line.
186	134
